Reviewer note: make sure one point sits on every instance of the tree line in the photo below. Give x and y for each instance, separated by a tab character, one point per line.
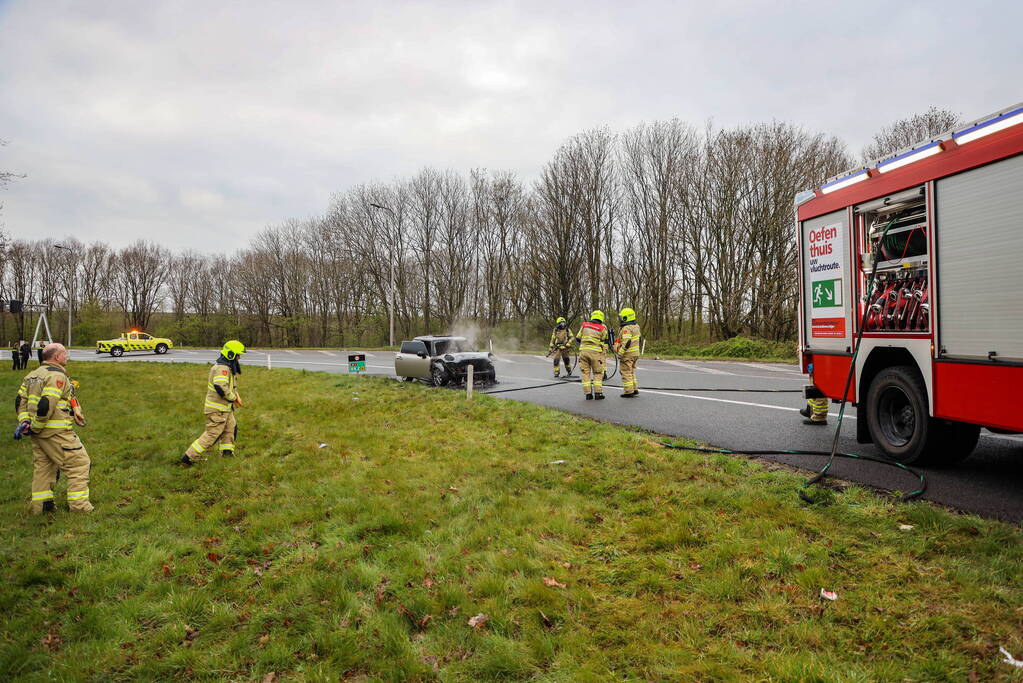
693	227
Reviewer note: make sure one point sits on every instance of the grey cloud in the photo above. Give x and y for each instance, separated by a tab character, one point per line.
185	120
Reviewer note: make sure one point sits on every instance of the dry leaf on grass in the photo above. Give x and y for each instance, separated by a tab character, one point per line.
552	583
479	620
51	641
269	677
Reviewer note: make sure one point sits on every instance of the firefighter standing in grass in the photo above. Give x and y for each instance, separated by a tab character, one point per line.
47	408
222	398
593	343
561	343
627	348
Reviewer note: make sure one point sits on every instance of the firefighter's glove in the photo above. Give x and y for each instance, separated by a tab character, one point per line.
21	430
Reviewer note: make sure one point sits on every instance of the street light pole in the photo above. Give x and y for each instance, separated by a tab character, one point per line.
390	261
71	296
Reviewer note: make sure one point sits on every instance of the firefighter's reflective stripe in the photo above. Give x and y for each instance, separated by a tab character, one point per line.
23	416
221	379
217	405
196	447
227	446
592	336
78	495
51	424
42	495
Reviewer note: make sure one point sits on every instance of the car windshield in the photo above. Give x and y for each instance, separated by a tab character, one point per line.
451	346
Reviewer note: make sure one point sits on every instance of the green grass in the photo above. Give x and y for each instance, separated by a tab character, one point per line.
365	560
736	348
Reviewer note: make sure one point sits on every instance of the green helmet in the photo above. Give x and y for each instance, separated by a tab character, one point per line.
232	349
597	315
627	315
559	320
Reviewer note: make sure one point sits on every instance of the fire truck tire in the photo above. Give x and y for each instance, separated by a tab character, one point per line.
897	416
957	441
117	352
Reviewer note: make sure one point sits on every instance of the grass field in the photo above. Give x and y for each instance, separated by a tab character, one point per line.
368	558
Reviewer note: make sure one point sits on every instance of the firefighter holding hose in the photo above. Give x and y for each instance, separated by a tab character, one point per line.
593	344
627	348
222	398
561	344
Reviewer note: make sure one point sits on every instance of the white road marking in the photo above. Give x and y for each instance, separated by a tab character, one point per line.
504	360
328	353
741	403
772	368
542	357
698	368
290	351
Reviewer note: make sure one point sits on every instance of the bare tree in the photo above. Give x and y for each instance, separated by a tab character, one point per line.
909	131
140	276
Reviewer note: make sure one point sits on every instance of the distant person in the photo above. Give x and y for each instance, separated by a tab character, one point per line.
627	348
39	350
26	351
16	357
593	344
47	407
222	398
561	344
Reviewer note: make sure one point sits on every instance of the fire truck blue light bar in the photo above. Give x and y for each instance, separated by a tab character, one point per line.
846	181
909	157
1000	122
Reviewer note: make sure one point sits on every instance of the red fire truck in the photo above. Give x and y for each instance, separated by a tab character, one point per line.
937	340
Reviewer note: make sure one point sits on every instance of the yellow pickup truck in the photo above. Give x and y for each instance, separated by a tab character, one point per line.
133	341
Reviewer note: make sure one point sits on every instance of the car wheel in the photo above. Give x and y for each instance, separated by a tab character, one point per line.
117	352
438	375
161	348
900	426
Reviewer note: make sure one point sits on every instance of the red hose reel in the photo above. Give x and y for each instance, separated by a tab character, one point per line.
900	305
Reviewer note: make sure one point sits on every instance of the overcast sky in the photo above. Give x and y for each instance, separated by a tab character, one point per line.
196	124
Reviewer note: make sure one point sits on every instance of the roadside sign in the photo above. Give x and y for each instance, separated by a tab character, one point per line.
356	362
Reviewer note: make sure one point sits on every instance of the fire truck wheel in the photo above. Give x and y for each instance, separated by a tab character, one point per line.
117	352
897	416
957	440
161	348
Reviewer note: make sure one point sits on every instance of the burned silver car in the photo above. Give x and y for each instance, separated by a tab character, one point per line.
443	361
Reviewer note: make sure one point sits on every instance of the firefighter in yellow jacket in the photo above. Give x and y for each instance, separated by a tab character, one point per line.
561	344
47	407
593	344
222	398
627	348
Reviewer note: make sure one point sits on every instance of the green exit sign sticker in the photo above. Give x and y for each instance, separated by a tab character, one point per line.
826	293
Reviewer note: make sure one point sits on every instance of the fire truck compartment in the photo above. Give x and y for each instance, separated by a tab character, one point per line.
979	268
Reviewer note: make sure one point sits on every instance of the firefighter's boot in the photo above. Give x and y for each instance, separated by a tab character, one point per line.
818	409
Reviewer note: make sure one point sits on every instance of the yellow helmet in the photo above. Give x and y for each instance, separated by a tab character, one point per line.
232	349
597	315
559	320
627	315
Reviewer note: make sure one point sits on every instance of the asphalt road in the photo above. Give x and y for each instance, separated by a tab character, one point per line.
988	483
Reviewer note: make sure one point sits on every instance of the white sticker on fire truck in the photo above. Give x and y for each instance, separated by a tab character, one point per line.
826	265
